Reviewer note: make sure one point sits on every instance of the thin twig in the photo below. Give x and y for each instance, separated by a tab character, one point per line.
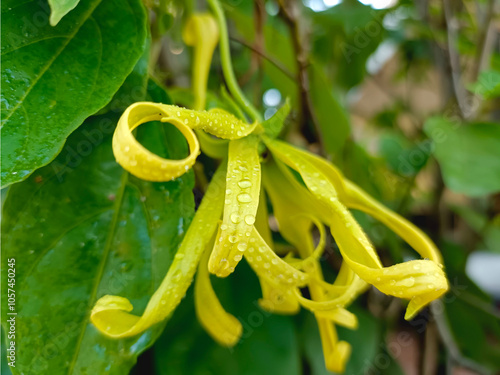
454	57
450	344
291	14
264	55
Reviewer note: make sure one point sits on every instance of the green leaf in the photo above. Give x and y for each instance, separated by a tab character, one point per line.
402	156
487	85
467	154
471	315
135	86
59	8
274	125
55	77
331	117
268	345
81	228
488	230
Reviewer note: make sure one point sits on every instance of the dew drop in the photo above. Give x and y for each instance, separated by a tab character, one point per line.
235	218
242	246
232	239
250	219
244	184
237	258
244	198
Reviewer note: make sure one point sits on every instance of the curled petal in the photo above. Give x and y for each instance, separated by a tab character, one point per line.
111	314
240	209
222	326
138	160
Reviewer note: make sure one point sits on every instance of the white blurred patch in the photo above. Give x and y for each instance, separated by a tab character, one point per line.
272	98
484	269
382	54
380	4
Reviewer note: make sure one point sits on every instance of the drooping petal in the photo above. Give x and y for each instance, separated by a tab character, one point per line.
353	196
111	314
222	326
402	280
240	209
294	209
202	33
275	297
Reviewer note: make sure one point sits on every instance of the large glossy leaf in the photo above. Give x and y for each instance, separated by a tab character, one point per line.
468	155
55	77
81	228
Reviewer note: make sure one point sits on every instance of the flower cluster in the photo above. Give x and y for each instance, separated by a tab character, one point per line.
306	193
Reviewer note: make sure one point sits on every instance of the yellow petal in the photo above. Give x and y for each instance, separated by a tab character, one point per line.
111	314
241	202
355	247
222	326
356	198
294	209
202	33
277	298
267	265
138	160
214	148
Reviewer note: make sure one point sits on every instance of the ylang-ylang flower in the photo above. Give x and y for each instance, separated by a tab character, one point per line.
306	194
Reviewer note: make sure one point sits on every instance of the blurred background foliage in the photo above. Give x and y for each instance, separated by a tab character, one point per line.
404	96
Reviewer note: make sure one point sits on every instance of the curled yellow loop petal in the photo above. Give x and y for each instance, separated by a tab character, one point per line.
138	160
318	251
268	265
355	247
222	326
111	314
343	296
241	202
202	33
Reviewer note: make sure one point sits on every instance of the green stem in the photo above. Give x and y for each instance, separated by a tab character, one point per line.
227	66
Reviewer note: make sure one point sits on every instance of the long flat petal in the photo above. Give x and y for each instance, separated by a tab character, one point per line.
222	326
240	209
111	314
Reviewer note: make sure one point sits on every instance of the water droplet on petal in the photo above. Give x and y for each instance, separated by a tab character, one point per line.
244	198
244	184
235	218
250	219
